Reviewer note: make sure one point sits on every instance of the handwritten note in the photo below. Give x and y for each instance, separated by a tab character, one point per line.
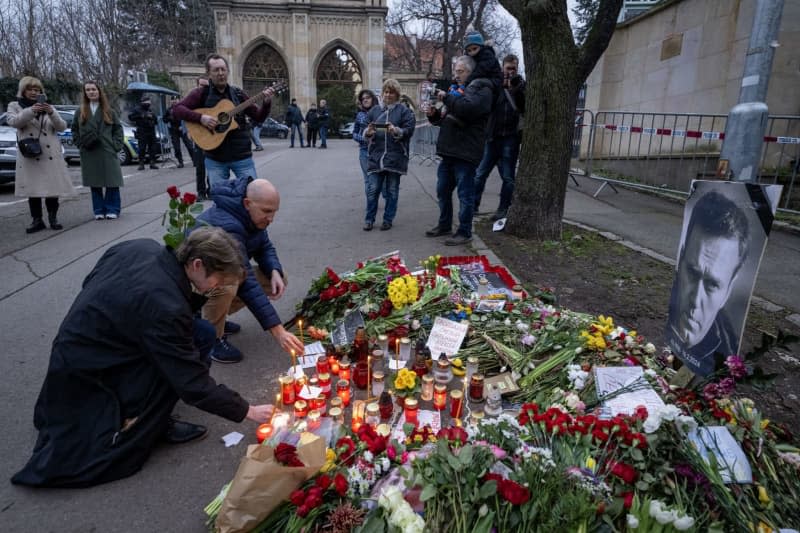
446	337
315	348
395	364
610	380
731	460
309	393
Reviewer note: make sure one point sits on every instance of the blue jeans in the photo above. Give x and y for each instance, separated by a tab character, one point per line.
451	174
389	184
299	132
219	172
108	203
256	134
323	135
204	334
503	152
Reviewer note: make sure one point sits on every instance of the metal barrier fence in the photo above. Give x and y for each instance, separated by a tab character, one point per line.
662	151
423	143
666	151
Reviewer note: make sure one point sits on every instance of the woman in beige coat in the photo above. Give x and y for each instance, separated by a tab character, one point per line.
43	176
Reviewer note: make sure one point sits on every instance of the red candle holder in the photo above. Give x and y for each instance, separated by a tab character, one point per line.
264	432
344	370
439	397
300	409
323	365
343	391
318	403
456	403
411	411
361	375
287	390
476	388
299	383
325	384
334	364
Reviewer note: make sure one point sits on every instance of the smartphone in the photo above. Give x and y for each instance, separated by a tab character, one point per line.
41	99
380	125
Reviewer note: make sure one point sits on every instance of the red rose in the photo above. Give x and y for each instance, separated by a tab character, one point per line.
189	198
297	497
625	472
640	413
340	484
324	481
492	476
315	493
346	449
354	287
360	265
513	492
303	511
173	191
627	499
332	276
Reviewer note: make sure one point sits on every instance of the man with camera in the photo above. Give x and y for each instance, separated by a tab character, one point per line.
145	121
504	134
462	125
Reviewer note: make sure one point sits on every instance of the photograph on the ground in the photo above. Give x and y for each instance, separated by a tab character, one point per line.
725	230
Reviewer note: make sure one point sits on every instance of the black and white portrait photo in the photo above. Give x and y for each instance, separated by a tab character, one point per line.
725	231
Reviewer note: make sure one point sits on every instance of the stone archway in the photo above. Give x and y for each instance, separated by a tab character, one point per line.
338	79
265	66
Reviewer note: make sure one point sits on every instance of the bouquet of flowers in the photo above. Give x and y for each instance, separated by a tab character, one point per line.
406	383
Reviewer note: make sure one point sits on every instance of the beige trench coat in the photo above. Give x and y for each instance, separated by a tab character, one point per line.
47	174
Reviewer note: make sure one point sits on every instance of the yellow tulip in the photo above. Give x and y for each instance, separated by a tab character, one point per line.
763	497
590	463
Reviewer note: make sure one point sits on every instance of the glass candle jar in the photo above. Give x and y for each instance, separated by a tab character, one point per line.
360	374
383	343
442	373
299	383
325	384
344	369
411	411
343	391
476	388
336	402
427	387
439	397
483	286
333	363
313	382
323	365
264	432
337	415
314	419
475	418
318	404
386	406
472	366
383	430
287	389
517	292
373	414
378	383
456	403
300	409
405	348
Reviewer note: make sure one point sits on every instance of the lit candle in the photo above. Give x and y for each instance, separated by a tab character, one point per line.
377	383
318	404
383	343
343	391
323	365
359	411
411	411
439	397
300	409
314	419
336	402
325	384
427	387
300	323
294	361
299	383
263	432
456	403
344	369
369	376
397	355
287	389
405	348
334	365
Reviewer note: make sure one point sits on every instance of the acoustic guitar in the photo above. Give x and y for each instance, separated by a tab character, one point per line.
224	112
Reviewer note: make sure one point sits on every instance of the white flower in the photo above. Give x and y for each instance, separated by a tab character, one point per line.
415	324
683	523
633	522
483	510
507	322
522	326
686	424
655	507
368	456
649	348
666	516
515	375
652	424
650	373
572	400
669	412
391	498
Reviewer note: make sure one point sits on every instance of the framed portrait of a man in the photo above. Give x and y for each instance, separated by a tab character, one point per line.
725	229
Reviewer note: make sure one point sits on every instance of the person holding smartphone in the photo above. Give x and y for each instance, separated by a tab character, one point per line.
389	131
44	175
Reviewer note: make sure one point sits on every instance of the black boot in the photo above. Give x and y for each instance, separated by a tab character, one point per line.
54	221
36	225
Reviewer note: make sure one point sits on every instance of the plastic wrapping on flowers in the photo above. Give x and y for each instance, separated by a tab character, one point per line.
553	460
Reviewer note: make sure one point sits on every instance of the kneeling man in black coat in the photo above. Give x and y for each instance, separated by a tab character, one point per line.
125	353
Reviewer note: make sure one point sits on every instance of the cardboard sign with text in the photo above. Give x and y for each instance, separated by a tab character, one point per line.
446	336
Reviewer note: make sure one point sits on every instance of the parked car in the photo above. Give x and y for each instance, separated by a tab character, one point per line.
8	154
346	130
71	152
130	148
273	128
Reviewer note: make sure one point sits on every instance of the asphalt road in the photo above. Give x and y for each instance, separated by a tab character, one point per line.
319	225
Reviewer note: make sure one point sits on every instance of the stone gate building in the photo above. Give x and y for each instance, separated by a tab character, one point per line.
309	44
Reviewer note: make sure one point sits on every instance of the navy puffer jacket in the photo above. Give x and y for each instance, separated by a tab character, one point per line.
229	214
387	152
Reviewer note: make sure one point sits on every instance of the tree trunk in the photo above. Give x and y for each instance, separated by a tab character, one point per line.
551	60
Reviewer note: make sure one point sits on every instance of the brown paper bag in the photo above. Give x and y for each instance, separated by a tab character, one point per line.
261	483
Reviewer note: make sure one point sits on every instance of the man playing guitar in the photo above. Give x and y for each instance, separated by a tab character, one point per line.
233	154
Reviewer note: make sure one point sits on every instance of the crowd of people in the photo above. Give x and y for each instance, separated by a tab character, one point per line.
112	382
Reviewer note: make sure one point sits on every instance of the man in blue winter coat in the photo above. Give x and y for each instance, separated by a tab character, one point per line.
244	207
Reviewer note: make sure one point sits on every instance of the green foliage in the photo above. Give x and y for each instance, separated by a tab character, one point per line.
59	91
341	104
162	78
